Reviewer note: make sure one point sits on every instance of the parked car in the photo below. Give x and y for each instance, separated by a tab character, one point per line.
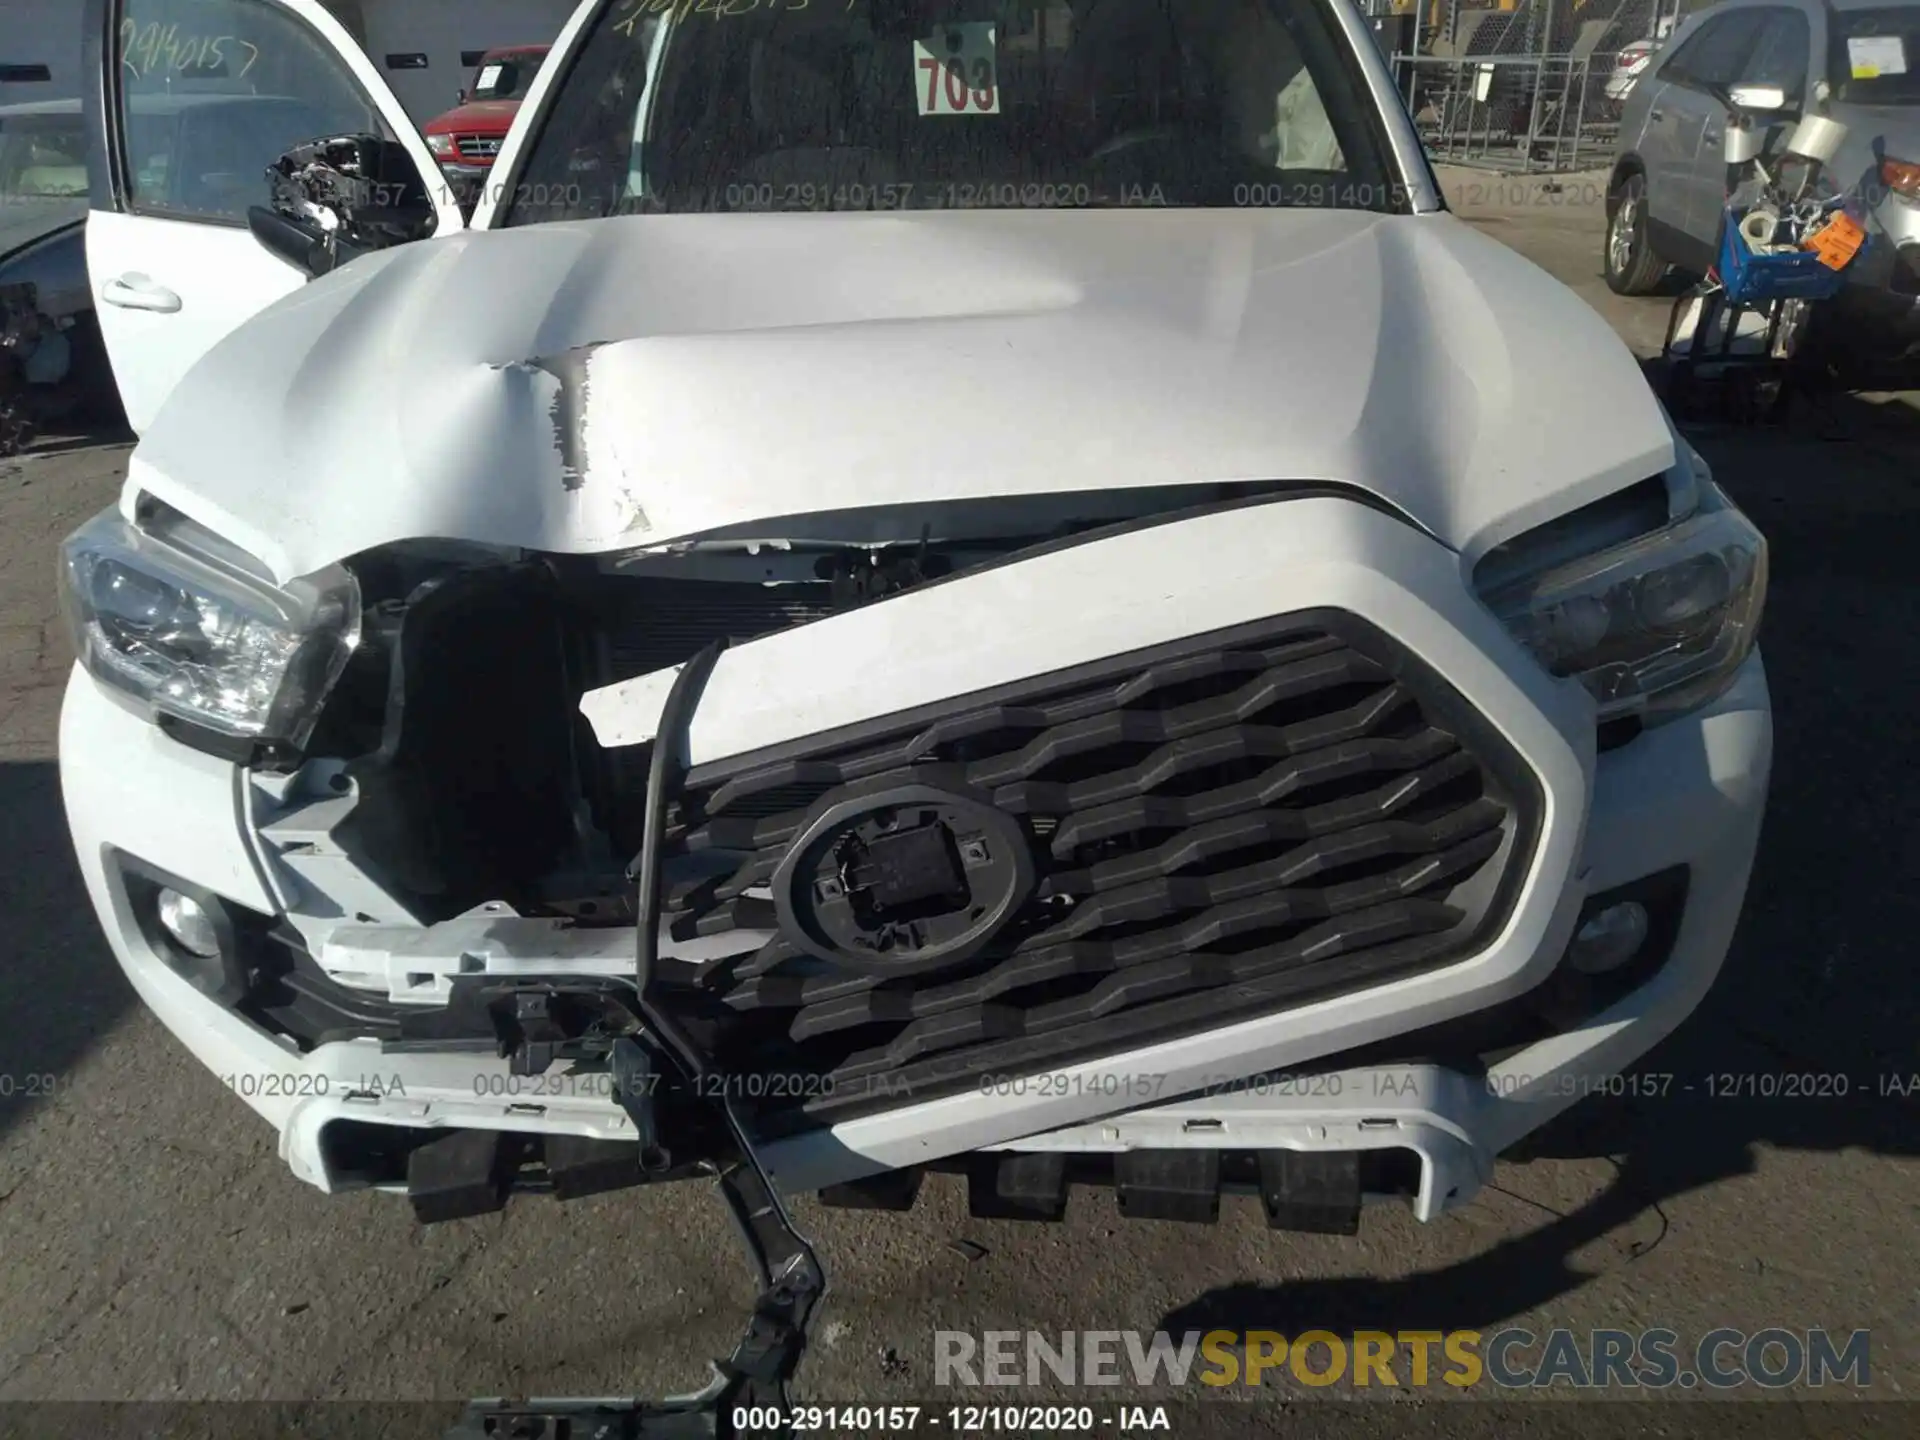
1847	61
466	139
983	589
1628	64
52	365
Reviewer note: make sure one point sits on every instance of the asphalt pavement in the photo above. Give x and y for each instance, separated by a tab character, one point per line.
153	1246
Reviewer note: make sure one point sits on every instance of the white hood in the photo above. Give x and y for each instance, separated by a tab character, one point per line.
620	383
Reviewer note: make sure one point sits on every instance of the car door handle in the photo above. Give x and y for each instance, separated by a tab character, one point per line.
1709	133
137	292
1656	115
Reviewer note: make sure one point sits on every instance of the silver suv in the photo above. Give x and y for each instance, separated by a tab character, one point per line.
1858	63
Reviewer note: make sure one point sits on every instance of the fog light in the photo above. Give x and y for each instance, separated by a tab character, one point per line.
1610	939
188	924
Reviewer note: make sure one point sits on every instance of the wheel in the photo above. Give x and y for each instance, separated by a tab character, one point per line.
1633	266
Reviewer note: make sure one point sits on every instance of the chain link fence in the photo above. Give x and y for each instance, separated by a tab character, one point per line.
1536	86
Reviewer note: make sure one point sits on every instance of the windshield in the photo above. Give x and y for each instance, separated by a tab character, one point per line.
708	105
1874	55
507	76
42	157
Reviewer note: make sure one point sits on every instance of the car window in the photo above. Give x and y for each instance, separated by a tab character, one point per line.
935	104
43	170
1781	55
505	77
214	91
1714	55
1875	57
53	264
42	156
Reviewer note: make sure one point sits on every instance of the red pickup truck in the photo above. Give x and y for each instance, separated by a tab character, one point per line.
466	139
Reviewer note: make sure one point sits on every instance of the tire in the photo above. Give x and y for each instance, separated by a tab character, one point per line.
1633	266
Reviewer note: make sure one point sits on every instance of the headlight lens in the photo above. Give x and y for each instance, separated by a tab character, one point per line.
197	637
441	144
1655	626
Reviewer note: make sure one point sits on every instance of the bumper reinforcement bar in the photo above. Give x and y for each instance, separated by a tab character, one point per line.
752	1380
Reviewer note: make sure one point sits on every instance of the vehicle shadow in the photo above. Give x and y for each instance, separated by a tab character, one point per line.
60	989
113	432
1819	981
100	424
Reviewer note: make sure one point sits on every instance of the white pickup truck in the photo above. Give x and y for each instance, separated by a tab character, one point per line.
928	583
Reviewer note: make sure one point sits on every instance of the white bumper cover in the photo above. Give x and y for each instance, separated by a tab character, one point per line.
1688	793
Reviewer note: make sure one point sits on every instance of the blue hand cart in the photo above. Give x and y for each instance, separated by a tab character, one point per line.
1744	322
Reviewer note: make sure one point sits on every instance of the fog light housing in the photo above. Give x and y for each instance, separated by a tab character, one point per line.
188	924
196	940
1621	940
189	930
1610	938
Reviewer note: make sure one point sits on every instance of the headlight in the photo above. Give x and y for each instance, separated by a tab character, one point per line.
1655	626
442	145
185	627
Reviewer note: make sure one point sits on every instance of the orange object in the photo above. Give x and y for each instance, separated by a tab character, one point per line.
1902	177
1836	242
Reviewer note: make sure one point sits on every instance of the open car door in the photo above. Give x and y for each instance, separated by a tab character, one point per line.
190	102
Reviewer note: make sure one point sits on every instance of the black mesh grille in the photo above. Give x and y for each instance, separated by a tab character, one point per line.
1222	828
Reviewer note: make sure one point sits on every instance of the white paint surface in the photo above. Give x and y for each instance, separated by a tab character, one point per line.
728	370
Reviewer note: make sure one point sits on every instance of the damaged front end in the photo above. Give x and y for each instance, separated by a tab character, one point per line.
529	817
751	1382
1070	865
452	798
482	842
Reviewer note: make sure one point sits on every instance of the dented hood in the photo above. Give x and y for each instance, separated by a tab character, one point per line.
621	383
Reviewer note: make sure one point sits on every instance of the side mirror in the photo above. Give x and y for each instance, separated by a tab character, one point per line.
300	243
1758	99
338	198
461	98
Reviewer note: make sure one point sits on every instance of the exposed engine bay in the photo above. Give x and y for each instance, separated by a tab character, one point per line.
459	714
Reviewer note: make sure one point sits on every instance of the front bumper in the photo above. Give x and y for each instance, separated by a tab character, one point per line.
468	181
1687	794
